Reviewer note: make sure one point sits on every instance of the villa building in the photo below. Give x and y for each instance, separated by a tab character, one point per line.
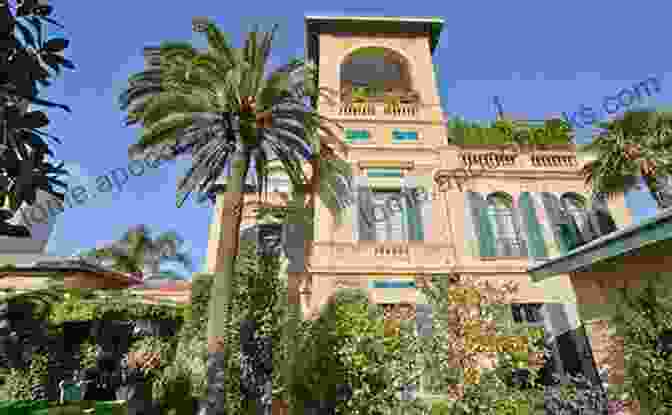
493	225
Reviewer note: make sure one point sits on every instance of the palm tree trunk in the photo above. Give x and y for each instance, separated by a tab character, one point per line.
222	289
294	301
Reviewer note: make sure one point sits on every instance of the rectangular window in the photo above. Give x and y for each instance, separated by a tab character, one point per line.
383	172
404	136
527	313
506	239
389	213
393	284
357	135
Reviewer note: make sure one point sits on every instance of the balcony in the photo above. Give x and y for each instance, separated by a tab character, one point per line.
378	110
374	256
505	159
554	160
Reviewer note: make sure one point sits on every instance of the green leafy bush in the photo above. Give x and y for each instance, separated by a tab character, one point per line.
20	381
642	316
440	408
346	344
257	293
88	354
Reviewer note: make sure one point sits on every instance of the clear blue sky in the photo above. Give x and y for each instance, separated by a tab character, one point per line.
541	58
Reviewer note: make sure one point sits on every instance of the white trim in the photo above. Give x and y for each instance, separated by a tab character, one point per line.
379	19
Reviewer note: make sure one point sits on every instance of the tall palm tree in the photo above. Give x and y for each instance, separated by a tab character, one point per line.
224	109
138	253
639	144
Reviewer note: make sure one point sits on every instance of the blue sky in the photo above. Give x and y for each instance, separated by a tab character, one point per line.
540	58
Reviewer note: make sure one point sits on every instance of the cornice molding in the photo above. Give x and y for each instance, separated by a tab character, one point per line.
377	164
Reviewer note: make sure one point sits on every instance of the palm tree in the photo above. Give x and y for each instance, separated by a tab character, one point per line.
639	144
224	109
140	254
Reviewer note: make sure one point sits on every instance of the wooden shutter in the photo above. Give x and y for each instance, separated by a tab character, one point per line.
521	248
535	235
414	210
365	214
554	214
478	210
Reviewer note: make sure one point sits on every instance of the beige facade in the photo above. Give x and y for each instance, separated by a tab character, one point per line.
449	240
338	258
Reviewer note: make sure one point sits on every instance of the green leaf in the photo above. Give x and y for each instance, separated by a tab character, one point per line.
26	34
34	119
58	59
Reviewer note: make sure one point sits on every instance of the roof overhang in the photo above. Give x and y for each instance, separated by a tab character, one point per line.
429	26
652	237
70	268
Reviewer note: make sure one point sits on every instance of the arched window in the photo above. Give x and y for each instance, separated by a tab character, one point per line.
508	241
375	72
576	210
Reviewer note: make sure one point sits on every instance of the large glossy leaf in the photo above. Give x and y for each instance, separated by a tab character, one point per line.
51	62
26	34
56	139
59	60
25	7
34	119
45	103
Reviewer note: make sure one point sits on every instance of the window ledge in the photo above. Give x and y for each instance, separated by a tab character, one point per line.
500	258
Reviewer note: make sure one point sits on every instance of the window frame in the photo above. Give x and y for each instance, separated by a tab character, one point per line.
405	231
508	242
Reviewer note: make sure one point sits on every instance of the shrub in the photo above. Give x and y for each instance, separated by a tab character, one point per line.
642	316
347	342
257	293
20	382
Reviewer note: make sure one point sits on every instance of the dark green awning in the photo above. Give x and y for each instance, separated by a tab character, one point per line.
651	237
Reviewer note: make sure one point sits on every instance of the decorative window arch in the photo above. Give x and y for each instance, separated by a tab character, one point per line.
504	220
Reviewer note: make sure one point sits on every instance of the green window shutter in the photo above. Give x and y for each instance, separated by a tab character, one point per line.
553	210
356	135
482	226
535	235
521	249
568	233
398	135
365	214
414	219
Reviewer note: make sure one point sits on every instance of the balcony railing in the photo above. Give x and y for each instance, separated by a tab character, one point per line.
492	159
376	254
488	160
375	109
553	160
390	249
